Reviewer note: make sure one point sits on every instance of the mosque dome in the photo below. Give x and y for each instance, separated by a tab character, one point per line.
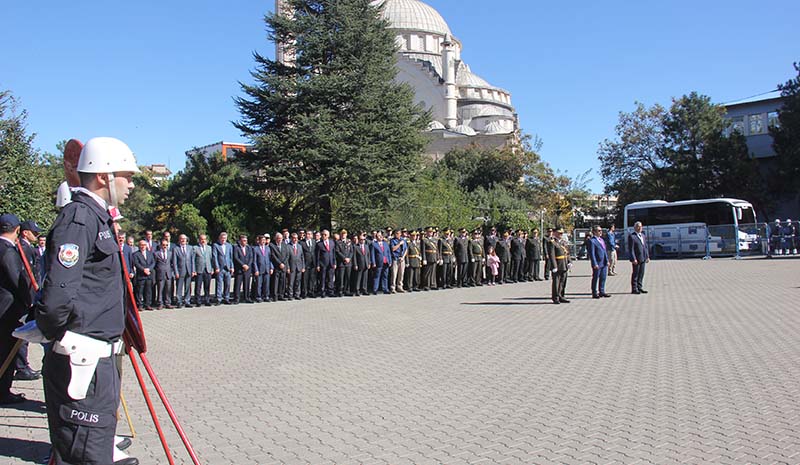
464	129
413	15
435	125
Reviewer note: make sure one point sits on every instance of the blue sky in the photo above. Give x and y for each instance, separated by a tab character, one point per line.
162	75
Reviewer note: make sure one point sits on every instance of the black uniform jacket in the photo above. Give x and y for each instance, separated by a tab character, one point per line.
83	290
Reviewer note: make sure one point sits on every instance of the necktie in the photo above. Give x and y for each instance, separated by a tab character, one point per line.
362	249
294	246
327	246
183	248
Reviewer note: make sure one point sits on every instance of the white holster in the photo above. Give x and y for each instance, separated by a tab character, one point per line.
84	353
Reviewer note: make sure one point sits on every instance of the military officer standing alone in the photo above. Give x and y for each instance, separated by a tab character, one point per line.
82	309
558	256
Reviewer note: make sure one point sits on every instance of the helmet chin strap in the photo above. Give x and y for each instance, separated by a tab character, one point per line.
112	193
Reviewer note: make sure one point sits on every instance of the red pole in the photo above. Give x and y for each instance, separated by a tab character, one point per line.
167	406
150	404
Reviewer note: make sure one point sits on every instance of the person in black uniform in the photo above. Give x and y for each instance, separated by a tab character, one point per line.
461	250
533	251
29	233
558	254
15	300
243	259
546	251
82	310
344	263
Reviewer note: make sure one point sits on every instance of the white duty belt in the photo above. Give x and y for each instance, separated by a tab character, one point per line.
84	354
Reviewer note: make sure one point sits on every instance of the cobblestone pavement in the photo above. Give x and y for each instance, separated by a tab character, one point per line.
703	369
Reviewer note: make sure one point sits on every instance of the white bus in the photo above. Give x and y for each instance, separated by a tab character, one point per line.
696	226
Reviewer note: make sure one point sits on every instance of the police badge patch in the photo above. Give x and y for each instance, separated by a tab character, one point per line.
68	255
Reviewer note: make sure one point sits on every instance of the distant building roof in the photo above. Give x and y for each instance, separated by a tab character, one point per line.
773	95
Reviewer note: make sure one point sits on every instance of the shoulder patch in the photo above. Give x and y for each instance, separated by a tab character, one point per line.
68	255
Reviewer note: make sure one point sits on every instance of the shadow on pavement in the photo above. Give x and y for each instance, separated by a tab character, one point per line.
30	451
33	406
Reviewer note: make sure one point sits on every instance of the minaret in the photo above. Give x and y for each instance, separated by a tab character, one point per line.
451	99
283	52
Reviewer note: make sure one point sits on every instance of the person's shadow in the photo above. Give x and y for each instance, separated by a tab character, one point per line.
24	449
33	406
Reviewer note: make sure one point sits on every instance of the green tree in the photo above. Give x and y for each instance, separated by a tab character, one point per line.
435	199
188	221
25	186
787	136
332	125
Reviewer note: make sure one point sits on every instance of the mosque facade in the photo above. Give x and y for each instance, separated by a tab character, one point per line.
466	109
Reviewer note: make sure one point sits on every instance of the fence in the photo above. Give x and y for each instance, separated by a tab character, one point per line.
705	241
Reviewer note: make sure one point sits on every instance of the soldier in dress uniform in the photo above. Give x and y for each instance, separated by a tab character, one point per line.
546	252
477	258
461	250
447	254
414	266
430	258
533	250
560	263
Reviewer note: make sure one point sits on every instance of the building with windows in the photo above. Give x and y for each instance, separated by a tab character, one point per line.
752	118
159	171
467	110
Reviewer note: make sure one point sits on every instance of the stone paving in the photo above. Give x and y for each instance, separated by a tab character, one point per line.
703	369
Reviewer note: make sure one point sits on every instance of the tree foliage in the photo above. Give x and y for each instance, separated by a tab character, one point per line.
686	152
787	135
26	182
333	127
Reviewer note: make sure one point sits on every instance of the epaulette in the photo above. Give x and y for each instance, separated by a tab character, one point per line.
80	214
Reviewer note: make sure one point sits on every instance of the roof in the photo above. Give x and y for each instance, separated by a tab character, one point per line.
663	203
772	95
413	15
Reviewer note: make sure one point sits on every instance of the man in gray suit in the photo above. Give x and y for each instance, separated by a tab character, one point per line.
165	273
183	266
204	269
223	267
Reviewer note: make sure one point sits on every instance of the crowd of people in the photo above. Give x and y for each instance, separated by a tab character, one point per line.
784	237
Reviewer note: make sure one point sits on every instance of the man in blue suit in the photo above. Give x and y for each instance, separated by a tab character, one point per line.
639	256
223	266
598	255
381	262
262	268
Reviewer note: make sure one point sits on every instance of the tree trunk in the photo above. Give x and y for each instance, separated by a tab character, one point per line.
325	213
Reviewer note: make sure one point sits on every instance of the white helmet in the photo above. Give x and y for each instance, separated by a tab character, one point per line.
63	196
106	155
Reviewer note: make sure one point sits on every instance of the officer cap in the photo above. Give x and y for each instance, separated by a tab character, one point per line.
429	229
404	230
267	236
559	230
29	225
8	222
414	233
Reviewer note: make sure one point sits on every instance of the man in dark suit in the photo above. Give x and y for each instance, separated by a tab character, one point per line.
279	254
326	263
144	264
598	255
204	267
461	249
165	273
381	263
297	266
639	257
15	300
344	264
262	268
243	271
503	250
183	267
309	286
533	252
39	258
361	263
127	251
517	257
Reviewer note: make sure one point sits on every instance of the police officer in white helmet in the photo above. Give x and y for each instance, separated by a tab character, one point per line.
82	309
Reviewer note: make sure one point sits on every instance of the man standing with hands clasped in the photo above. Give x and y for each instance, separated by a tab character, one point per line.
598	255
639	256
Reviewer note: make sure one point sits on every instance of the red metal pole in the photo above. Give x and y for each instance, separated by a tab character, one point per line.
167	406
150	404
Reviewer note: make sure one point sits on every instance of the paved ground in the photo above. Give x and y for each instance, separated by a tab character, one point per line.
703	369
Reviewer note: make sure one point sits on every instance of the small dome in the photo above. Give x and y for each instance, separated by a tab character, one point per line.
435	125
466	78
413	15
464	129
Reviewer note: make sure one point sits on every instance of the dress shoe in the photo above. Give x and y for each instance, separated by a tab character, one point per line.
159	308
127	461
170	307
595	296
27	375
635	292
605	295
564	301
13	399
642	291
556	301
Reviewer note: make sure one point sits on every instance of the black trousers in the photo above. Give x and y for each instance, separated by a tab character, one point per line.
343	278
278	284
535	269
429	276
144	292
241	285
7	342
446	277
461	279
81	431
559	284
203	285
164	291
505	272
354	286
637	276
516	269
21	359
326	276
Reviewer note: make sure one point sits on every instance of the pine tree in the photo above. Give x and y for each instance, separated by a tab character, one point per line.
332	127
